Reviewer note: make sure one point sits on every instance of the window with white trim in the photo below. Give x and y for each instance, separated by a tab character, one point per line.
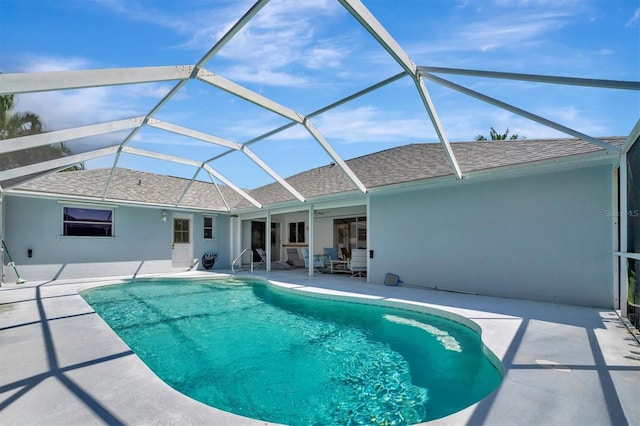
296	232
87	222
209	228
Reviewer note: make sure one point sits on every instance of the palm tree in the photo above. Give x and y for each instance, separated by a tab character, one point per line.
18	124
495	136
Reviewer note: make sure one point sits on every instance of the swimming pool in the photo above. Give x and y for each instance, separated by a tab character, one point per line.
261	352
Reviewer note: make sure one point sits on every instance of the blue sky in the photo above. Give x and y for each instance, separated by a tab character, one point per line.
307	54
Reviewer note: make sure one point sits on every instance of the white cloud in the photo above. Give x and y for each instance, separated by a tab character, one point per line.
371	124
634	18
35	63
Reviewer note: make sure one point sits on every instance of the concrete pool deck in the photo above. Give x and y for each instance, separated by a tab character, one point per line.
60	364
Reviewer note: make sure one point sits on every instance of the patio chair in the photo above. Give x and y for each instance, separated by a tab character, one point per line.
318	264
330	257
329	254
275	264
293	258
358	264
263	259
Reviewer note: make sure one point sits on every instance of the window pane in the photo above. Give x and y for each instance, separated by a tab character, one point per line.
181	231
87	230
87	215
208	228
633	297
85	222
292	232
301	232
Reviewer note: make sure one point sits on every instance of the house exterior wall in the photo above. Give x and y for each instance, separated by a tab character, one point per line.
542	237
322	233
142	242
219	245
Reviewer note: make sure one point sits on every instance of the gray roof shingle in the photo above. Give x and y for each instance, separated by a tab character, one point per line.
134	186
409	163
416	162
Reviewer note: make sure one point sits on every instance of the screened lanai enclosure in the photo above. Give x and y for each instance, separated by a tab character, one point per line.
223	118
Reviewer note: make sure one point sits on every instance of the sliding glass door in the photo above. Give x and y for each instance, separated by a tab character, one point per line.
350	233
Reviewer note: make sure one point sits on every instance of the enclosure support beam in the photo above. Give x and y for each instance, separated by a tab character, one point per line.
379	32
62	80
521	112
41	139
58	163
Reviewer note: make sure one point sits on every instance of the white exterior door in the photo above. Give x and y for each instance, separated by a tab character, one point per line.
182	241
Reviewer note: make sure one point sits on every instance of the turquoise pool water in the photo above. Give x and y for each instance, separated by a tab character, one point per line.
260	352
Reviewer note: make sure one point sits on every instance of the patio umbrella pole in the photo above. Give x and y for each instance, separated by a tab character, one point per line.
12	264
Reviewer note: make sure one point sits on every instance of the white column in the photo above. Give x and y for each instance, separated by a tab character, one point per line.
624	274
311	225
369	242
1	236
615	223
267	242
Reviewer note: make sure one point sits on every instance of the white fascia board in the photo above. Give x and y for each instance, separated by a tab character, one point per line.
334	155
633	136
567	81
379	32
521	112
174	128
437	125
61	80
244	93
272	173
232	186
40	139
57	163
158	156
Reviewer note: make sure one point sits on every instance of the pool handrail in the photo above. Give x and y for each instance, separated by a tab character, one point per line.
240	258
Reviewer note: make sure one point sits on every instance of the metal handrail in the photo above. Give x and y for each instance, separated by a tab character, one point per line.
240	258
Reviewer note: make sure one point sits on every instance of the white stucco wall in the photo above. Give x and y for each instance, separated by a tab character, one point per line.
543	237
142	242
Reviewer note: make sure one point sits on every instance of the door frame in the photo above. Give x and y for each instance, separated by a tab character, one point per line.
177	262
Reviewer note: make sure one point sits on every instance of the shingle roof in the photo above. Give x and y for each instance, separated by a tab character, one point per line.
409	163
134	186
416	162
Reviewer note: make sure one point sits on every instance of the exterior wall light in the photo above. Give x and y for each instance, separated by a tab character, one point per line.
165	215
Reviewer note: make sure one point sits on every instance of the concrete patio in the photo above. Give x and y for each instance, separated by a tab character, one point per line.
60	364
